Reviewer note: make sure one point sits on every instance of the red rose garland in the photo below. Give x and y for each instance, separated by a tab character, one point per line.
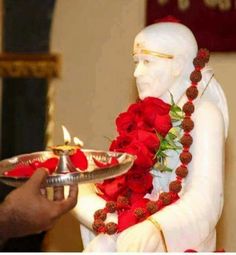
137	135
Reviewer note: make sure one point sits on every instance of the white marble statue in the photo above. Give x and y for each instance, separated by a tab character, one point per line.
190	222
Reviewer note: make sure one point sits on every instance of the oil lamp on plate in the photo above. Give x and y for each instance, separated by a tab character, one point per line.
66	172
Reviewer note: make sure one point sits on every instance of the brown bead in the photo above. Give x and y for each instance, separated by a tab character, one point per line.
98	225
111	206
100	214
175	186
192	92
199	62
204	54
195	76
188	108
186	140
181	171
165	197
139	213
187	125
152	207
111	228
185	157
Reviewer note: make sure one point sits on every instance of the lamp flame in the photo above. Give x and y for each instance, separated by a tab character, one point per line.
78	142
66	134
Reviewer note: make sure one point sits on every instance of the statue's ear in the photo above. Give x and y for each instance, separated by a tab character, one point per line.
178	65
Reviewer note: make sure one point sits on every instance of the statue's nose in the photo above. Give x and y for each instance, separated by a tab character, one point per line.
139	70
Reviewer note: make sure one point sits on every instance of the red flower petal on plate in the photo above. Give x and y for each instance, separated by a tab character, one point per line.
36	164
113	162
24	171
50	164
79	160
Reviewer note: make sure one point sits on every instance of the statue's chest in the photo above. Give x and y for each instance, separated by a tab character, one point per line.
164	171
161	179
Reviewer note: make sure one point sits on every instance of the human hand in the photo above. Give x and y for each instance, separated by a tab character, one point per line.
28	210
142	237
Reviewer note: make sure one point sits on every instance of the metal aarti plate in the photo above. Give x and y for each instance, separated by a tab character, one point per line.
92	174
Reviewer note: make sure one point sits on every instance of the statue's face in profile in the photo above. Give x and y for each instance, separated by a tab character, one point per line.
154	75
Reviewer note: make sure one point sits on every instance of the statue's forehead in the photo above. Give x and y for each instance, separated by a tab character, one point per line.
147	41
150	47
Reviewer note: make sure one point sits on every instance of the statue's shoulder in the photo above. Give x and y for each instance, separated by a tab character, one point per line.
209	113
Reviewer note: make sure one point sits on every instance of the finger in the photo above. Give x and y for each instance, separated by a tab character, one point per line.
44	192
38	179
71	200
73	193
58	194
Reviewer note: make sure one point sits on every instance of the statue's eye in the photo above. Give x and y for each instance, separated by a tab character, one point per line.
135	62
146	61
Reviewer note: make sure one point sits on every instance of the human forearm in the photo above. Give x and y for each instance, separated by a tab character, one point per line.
27	210
5	222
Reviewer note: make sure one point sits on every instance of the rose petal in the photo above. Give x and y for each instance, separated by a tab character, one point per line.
79	160
24	171
113	162
126	219
50	164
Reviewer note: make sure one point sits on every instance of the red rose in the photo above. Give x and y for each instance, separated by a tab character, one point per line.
152	109
162	124
155	104
121	142
136	109
150	140
138	169
139	183
114	187
145	158
125	123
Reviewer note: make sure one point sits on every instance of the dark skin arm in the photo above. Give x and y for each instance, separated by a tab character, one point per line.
27	210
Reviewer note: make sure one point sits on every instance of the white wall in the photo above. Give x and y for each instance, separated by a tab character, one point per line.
225	68
95	39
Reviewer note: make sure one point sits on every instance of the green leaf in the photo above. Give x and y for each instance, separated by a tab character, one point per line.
172	98
159	136
167	169
171	136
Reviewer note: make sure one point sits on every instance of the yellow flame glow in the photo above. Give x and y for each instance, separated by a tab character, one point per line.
66	134
78	142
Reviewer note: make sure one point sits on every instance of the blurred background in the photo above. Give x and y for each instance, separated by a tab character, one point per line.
88	45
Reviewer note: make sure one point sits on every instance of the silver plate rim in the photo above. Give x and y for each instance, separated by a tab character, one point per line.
96	175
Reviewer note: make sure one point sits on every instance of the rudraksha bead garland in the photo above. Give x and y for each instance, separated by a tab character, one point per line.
165	198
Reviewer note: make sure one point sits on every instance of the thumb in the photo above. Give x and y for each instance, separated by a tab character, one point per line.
38	178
